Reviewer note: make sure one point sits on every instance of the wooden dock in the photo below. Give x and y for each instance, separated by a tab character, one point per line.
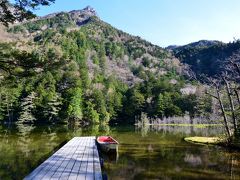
78	159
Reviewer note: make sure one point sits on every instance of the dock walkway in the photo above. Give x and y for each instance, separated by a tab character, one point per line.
78	159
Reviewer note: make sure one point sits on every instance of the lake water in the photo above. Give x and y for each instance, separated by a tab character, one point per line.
157	152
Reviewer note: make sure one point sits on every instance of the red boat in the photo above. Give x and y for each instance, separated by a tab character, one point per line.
107	143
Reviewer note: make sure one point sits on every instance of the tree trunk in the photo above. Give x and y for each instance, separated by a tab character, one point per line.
231	104
237	95
223	113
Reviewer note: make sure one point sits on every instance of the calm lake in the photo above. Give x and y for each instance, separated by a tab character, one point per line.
157	152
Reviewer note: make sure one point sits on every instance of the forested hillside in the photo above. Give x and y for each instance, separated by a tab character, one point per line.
74	67
206	57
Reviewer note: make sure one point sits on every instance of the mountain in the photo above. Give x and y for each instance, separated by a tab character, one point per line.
72	66
125	54
206	57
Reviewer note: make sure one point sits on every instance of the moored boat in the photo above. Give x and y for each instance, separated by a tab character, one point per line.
107	143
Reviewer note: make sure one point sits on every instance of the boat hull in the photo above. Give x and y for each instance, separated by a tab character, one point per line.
108	147
107	144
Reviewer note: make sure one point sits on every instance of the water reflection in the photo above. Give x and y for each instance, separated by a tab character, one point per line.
23	146
193	160
24	139
159	152
184	130
148	153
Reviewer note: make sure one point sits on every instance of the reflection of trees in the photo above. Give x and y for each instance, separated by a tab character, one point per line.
94	130
161	154
104	128
193	160
73	130
143	129
51	138
97	130
233	165
125	166
15	150
24	140
24	148
176	130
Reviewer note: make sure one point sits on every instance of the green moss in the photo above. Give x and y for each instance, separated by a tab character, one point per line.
204	140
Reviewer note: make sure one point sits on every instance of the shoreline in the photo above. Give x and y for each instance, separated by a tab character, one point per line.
215	141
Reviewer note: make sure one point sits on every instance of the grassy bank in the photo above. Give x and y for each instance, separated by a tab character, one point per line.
232	144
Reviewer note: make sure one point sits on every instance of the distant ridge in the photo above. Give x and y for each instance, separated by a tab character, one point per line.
198	44
206	57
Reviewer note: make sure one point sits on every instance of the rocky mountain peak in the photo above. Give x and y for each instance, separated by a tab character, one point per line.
90	9
87	11
81	16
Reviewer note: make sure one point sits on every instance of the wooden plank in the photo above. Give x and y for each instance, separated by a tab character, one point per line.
56	168
89	172
60	167
78	159
45	165
62	158
97	165
76	167
63	171
83	167
69	167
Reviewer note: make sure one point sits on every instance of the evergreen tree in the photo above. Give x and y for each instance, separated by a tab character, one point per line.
74	109
27	109
53	107
90	114
160	109
134	103
100	104
114	104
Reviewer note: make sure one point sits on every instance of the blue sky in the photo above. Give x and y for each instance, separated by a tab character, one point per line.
164	22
